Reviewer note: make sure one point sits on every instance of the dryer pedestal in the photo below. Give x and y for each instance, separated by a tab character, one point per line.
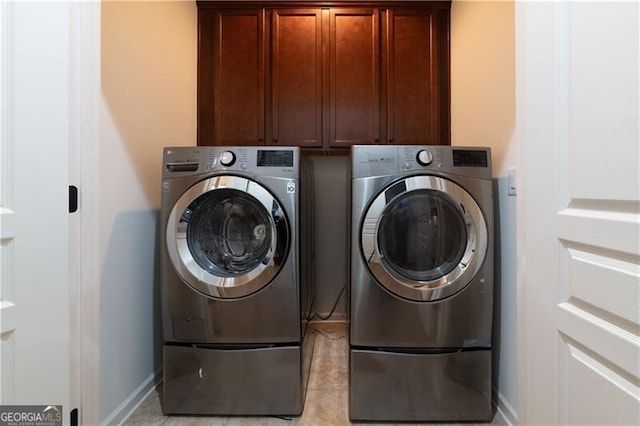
401	386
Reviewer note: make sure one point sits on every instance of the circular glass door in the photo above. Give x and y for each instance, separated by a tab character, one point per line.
227	236
424	238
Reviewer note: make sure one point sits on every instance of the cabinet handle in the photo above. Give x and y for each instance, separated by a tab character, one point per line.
392	140
275	140
376	140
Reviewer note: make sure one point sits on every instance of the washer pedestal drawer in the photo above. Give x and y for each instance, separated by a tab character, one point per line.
394	386
256	381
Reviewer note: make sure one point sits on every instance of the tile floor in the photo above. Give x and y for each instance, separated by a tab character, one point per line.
325	403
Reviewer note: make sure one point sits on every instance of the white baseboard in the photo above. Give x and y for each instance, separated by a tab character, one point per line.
504	409
133	401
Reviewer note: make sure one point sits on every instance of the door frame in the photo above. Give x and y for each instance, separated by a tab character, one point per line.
84	263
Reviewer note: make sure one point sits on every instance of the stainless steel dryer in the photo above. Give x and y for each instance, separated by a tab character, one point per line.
235	280
421	283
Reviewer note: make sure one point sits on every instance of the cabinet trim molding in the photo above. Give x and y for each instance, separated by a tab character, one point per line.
434	4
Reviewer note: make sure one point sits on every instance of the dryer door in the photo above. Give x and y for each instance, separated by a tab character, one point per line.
424	238
227	236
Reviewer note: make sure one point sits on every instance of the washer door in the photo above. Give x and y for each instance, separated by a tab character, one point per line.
424	238
227	237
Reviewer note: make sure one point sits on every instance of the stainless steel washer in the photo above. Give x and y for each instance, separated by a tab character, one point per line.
421	286
236	286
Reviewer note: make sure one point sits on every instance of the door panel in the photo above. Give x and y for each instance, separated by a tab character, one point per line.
417	84
35	114
7	289
578	88
296	77
609	386
231	77
410	79
354	58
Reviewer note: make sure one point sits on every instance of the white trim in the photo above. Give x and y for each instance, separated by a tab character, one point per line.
520	10
7	85
7	215
87	39
134	400
508	414
75	255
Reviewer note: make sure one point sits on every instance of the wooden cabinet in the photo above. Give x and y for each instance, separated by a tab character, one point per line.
417	76
231	77
294	116
353	84
324	77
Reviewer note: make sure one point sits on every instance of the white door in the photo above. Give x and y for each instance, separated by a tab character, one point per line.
34	219
579	213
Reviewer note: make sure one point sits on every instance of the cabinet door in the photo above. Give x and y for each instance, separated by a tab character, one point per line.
296	78
354	82
231	79
417	70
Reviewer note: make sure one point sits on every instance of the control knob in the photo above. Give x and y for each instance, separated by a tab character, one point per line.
424	157
227	158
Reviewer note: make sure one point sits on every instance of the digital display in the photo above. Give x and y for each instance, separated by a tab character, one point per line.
273	158
470	158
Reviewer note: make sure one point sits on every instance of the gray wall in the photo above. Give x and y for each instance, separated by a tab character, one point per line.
331	185
148	81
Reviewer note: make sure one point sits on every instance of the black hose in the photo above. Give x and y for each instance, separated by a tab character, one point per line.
335	305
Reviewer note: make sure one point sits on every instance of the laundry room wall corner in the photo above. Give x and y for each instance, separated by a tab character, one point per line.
148	68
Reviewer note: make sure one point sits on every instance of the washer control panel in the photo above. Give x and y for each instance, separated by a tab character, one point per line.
268	161
421	157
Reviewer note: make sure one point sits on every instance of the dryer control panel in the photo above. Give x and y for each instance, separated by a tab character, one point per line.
371	161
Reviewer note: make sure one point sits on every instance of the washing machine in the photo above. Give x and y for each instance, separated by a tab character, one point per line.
236	280
421	284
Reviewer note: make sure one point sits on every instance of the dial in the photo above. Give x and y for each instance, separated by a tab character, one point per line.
227	158
424	157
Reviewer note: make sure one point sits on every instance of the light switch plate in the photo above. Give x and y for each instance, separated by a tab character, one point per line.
512	181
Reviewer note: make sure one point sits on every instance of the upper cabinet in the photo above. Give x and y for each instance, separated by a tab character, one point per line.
294	112
231	76
353	82
325	77
416	73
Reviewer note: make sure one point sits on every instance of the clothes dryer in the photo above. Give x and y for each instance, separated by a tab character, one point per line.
236	286
421	285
